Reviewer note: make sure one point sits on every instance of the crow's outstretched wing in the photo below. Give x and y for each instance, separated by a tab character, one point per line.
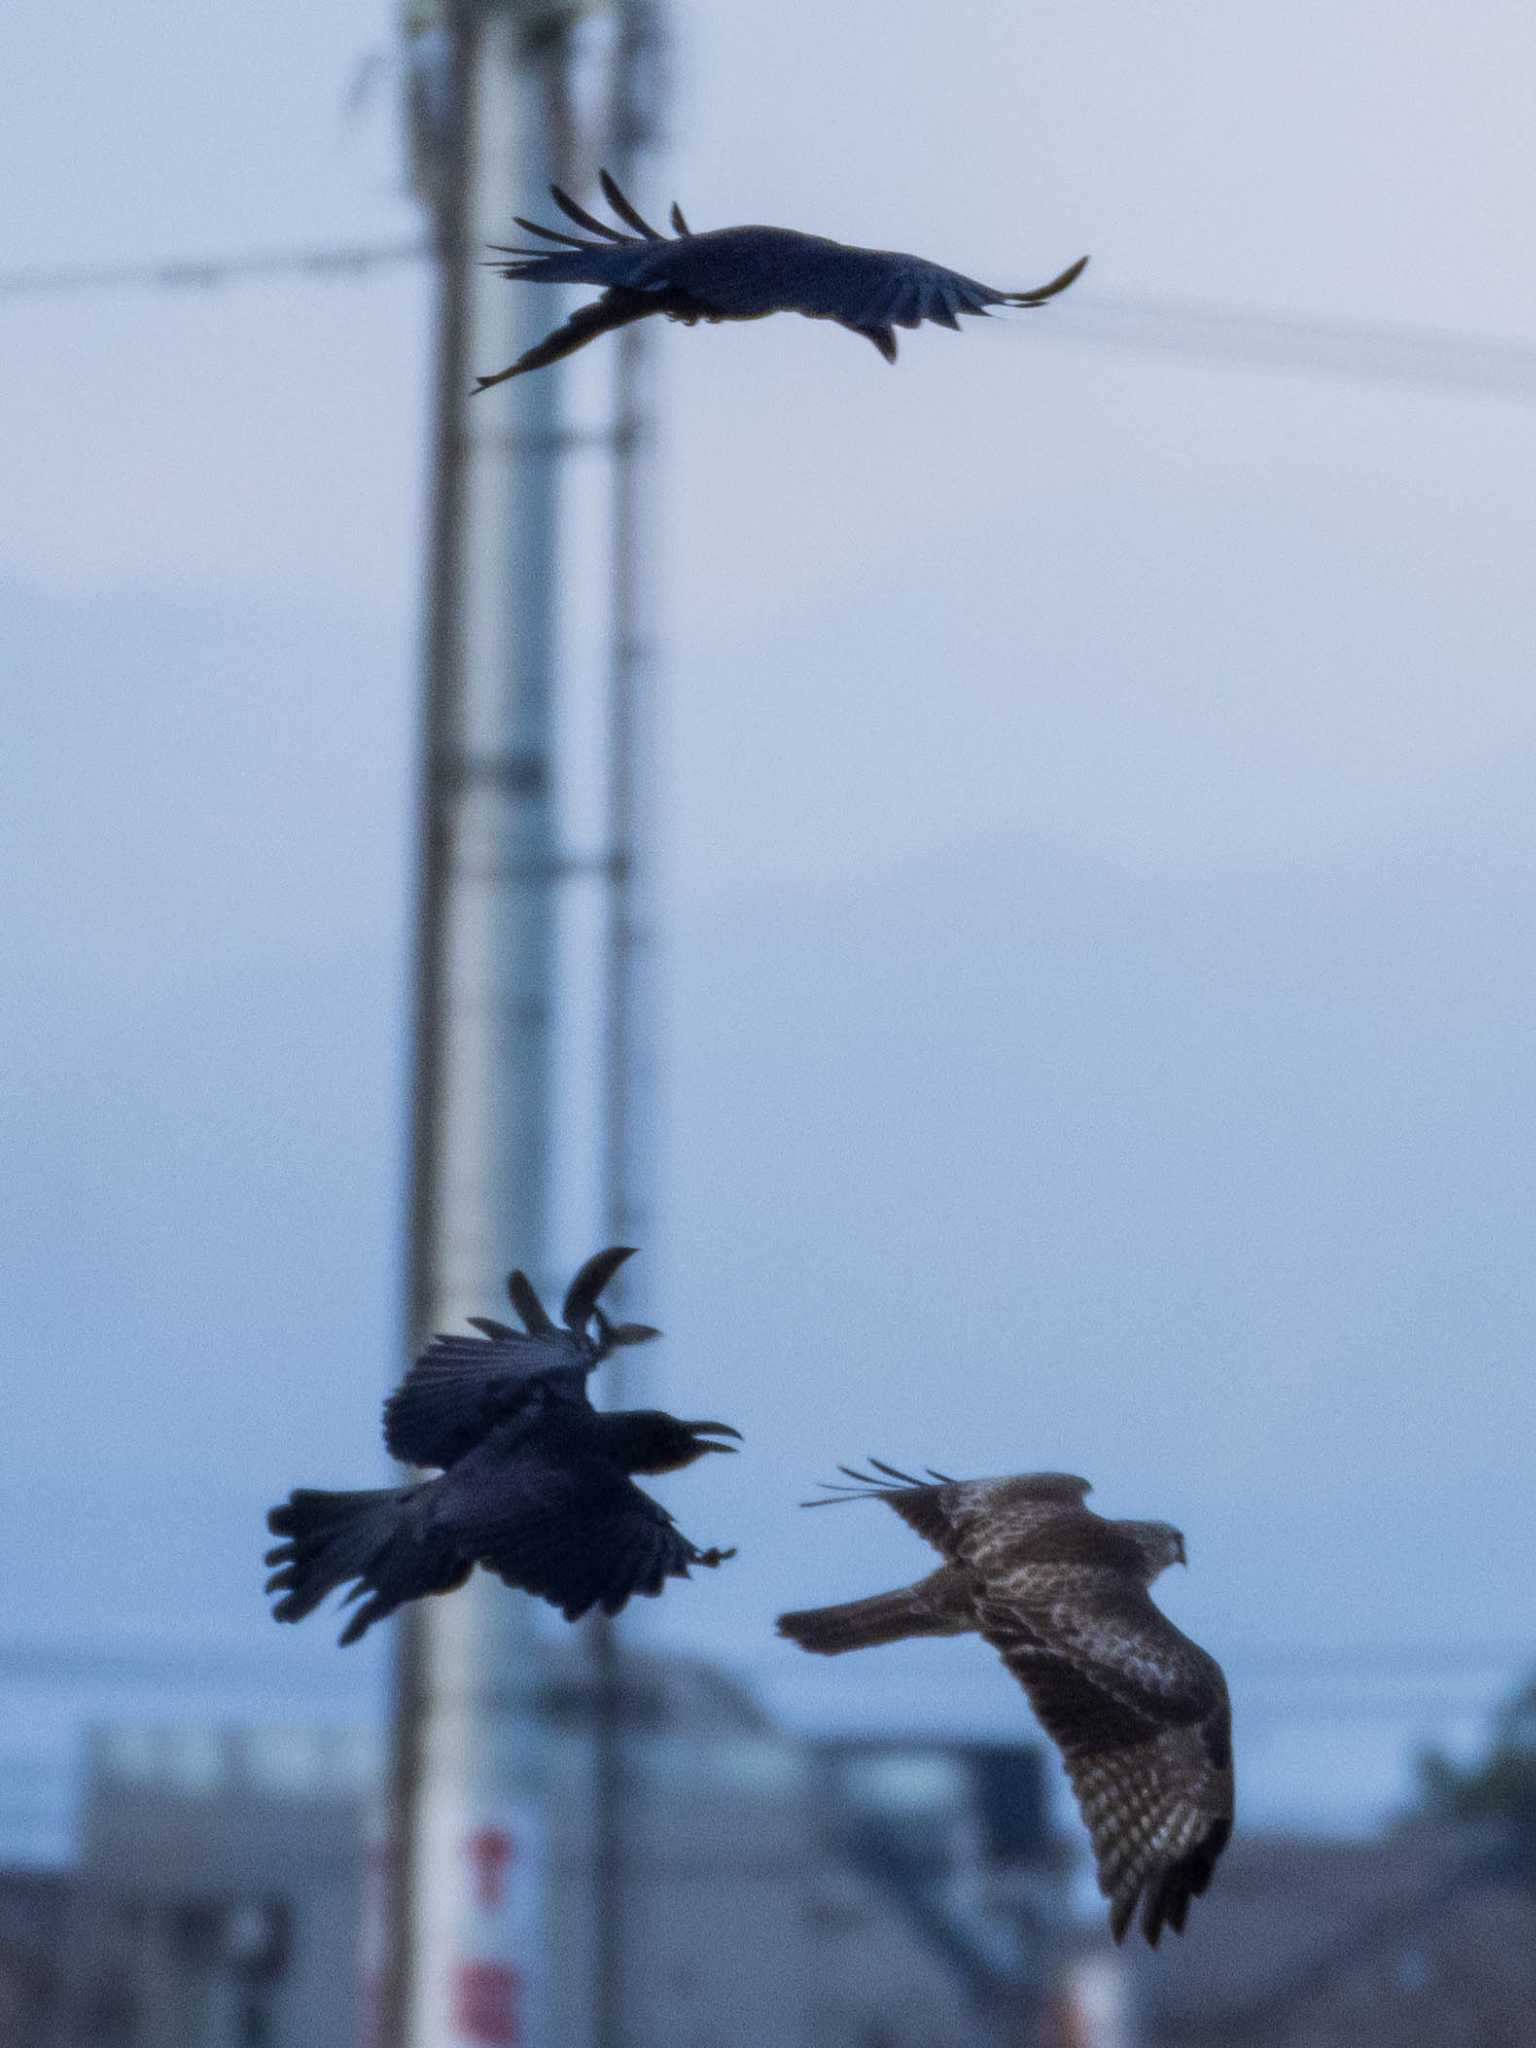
743	273
462	1387
1141	1717
563	1524
875	291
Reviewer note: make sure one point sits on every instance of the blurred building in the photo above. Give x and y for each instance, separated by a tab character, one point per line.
33	1904
1425	1938
216	1898
842	1894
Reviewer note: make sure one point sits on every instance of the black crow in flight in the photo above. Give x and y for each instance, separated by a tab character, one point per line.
741	274
1138	1711
536	1483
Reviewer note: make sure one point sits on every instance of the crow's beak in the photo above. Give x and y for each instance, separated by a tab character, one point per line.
717	1429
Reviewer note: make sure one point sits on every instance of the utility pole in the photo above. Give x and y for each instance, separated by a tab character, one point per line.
465	1902
637	92
466	1923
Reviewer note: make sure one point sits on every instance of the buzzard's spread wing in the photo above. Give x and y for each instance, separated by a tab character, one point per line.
955	1515
1138	1711
1141	1718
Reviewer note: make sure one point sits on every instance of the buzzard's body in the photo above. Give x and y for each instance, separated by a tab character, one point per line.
537	1486
742	273
1139	1712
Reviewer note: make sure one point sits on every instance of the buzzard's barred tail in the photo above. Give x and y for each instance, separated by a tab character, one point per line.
930	1608
860	1625
613	309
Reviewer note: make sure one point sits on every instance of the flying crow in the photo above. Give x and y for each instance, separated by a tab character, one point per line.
740	274
537	1485
1139	1712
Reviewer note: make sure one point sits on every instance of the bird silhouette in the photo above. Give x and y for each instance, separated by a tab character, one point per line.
537	1485
1139	1712
742	273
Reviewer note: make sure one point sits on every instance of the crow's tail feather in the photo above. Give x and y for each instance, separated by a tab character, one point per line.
329	1538
613	309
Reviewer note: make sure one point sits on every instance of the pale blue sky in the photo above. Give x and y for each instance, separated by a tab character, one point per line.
1099	842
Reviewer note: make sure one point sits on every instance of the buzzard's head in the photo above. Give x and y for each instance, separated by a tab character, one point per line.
1159	1543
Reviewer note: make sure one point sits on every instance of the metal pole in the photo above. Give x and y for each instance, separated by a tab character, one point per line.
627	1058
463	1938
637	60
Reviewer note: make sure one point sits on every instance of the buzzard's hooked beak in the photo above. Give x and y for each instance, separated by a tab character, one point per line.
717	1429
1181	1556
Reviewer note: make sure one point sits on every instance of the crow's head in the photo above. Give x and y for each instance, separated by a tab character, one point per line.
649	1440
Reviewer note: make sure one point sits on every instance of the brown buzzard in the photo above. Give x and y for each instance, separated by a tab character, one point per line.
1139	1712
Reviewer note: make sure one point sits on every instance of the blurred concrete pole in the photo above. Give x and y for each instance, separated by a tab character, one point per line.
466	1909
628	1056
628	1068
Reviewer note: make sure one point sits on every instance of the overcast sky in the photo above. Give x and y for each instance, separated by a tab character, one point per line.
1097	799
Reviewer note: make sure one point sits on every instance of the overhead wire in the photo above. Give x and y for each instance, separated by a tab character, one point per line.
1430	358
204	273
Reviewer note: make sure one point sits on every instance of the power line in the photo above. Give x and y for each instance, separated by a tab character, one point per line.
204	273
1372	354
38	1661
1426	357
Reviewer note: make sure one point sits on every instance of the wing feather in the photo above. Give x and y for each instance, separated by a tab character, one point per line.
624	210
1139	1713
578	1556
1156	1793
573	210
941	302
1111	1633
958	1515
462	1387
531	227
581	1296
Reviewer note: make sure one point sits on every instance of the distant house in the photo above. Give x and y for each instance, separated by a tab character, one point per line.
1425	1938
32	1909
843	1894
